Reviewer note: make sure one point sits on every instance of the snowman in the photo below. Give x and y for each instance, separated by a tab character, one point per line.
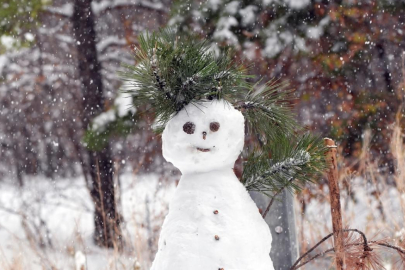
201	102
212	222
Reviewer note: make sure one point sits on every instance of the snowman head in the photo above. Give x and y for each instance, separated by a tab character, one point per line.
203	137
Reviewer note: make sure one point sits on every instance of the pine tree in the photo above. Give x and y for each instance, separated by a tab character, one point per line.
175	70
338	54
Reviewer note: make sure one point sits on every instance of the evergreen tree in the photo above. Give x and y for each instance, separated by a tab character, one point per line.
173	71
339	55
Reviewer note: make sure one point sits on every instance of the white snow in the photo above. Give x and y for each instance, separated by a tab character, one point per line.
66	211
276	41
249	50
123	104
65	207
232	7
214	4
65	38
101	121
273	46
109	41
297	4
315	32
3	62
212	222
29	36
80	260
101	6
7	41
65	10
223	31
248	15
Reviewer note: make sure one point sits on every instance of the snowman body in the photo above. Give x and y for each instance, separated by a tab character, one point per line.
212	222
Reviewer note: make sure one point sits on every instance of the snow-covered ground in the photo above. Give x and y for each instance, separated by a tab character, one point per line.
60	213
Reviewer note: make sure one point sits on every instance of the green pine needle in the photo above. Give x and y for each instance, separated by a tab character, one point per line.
286	162
174	71
269	110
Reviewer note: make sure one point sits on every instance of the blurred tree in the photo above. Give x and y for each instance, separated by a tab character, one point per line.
341	56
106	219
19	20
19	17
45	108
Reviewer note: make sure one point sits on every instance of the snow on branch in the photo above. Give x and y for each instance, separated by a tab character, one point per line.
106	5
65	10
110	41
3	62
291	164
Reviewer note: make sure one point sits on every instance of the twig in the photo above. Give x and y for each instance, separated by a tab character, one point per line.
274	196
332	249
400	250
8	210
365	244
309	251
100	191
314	257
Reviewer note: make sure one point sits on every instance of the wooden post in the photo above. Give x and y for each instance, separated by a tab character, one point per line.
281	221
332	173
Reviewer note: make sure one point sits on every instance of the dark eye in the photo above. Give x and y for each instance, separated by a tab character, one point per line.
214	126
189	127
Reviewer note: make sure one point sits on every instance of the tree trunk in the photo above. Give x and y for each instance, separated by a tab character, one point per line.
106	219
107	231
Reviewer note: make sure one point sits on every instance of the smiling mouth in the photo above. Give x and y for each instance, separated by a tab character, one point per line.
203	149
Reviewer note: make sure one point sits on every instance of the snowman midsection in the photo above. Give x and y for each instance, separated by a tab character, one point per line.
216	209
216	241
214	223
206	247
206	221
206	229
213	240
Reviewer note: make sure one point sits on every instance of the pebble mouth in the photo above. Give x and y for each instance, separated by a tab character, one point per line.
203	149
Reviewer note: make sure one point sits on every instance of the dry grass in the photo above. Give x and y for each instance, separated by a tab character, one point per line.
398	152
140	234
362	176
141	237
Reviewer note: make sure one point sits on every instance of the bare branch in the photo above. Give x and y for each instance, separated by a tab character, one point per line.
365	244
274	197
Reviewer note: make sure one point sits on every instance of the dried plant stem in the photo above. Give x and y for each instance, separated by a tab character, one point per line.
102	203
270	204
296	265
314	257
398	152
336	210
274	197
400	250
365	244
309	251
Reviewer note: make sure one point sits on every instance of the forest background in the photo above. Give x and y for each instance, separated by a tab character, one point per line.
69	140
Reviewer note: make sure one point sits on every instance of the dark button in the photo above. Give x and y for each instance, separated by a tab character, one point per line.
220	268
216	212
216	237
